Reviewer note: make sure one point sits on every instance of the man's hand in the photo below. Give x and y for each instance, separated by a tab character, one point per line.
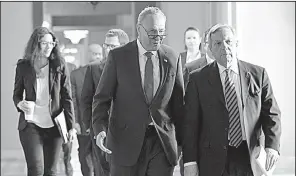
191	170
77	128
100	142
271	158
71	134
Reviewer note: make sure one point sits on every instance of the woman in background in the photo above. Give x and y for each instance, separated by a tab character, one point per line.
43	76
192	40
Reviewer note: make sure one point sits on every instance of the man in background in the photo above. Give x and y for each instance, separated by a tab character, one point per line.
95	53
114	38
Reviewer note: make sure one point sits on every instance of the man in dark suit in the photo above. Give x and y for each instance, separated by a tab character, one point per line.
114	38
144	80
231	113
95	53
67	147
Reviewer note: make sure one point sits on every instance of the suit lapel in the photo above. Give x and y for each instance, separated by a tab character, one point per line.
244	80
163	65
33	77
215	81
134	66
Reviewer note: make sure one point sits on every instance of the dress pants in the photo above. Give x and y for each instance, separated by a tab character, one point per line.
42	148
238	161
85	155
67	149
152	160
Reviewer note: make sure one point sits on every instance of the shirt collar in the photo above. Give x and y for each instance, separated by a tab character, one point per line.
233	67
142	50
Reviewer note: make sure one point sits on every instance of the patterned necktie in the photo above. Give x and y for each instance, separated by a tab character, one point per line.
235	132
148	77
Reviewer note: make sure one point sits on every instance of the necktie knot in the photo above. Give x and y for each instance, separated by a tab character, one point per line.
148	54
227	71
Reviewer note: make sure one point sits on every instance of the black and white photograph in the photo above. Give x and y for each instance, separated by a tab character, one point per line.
147	88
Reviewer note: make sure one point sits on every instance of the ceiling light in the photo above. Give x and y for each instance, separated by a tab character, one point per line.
75	35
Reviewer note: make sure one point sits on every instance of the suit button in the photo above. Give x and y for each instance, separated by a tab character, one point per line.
226	129
224	147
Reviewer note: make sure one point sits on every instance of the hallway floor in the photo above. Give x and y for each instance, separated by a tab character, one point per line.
13	164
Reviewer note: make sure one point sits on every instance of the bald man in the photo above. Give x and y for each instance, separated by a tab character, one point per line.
114	38
95	54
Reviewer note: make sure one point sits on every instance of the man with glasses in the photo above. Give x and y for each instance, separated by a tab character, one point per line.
144	82
114	38
95	53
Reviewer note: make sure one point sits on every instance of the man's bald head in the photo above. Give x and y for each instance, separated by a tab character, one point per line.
95	52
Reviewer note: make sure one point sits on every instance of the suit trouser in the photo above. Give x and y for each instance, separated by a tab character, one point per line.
42	148
152	160
67	149
85	155
238	161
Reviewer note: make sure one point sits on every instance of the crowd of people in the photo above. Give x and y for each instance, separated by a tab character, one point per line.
139	108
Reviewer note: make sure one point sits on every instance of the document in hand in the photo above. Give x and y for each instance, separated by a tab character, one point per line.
261	161
62	127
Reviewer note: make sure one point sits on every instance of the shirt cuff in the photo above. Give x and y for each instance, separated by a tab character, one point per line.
190	163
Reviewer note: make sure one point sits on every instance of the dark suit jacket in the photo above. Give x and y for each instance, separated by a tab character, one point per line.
130	114
59	89
205	137
77	79
191	66
91	80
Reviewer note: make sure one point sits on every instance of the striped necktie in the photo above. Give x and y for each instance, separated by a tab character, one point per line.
235	132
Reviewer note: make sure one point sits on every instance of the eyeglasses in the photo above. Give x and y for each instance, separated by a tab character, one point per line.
51	44
154	36
111	46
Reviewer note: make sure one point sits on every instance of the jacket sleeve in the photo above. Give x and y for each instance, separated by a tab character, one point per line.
270	115
87	97
104	94
177	101
191	123
74	96
66	98
18	87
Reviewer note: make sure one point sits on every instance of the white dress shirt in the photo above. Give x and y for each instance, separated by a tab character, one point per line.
142	63
192	56
41	114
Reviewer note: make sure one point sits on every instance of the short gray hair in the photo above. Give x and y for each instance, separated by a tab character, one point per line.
149	11
217	27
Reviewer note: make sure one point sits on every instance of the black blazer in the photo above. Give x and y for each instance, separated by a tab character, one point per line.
191	66
77	78
91	80
206	121
130	115
59	88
